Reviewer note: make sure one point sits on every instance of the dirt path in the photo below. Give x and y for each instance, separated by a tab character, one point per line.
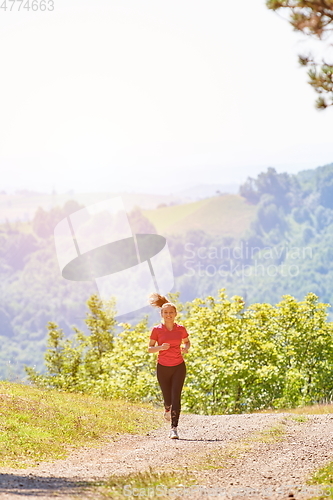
246	464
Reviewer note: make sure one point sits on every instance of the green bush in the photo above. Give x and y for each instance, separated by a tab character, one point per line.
242	359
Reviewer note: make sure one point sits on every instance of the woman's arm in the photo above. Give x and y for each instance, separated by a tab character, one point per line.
155	348
187	345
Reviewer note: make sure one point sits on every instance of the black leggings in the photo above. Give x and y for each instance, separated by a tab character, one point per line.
171	380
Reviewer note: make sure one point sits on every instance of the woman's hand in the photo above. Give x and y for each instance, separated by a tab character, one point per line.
186	346
164	346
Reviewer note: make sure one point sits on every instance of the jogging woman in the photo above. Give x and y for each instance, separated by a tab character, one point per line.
166	339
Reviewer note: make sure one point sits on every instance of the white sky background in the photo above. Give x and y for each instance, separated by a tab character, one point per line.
140	94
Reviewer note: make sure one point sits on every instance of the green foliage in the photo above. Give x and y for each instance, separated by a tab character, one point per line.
100	362
280	188
5	326
323	477
44	222
261	357
270	217
292	355
301	214
139	223
129	370
314	19
16	247
69	362
242	359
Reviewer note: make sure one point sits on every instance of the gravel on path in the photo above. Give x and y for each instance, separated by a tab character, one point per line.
231	456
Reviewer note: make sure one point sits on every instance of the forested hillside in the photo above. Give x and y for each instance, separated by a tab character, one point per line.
276	238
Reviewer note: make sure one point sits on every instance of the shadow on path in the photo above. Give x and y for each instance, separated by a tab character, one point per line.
34	485
201	440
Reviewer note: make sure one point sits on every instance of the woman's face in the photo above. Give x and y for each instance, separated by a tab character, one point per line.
168	313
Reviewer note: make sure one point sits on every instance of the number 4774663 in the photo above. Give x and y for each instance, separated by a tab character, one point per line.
34	5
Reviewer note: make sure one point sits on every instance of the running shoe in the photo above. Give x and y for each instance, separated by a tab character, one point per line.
174	433
167	415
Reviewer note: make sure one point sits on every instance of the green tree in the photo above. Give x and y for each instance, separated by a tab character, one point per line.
128	369
139	223
281	188
75	364
313	18
233	360
44	222
16	247
100	340
62	360
306	343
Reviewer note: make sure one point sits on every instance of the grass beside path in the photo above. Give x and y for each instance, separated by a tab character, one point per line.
39	425
324	479
149	484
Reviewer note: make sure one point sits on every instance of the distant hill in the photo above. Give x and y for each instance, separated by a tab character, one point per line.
201	191
22	205
227	215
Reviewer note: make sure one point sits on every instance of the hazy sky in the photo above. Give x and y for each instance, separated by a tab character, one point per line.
130	95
